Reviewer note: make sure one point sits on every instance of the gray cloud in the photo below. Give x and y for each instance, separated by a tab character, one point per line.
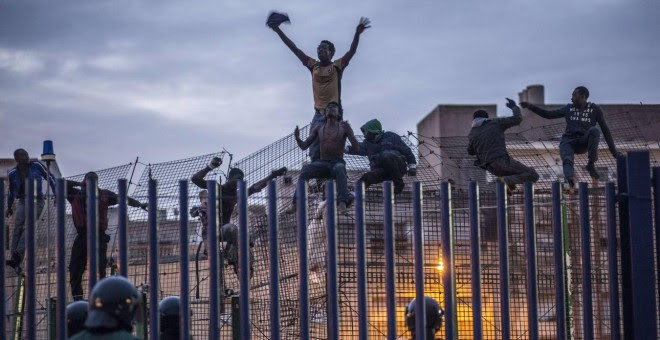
108	81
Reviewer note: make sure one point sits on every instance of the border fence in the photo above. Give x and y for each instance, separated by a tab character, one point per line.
562	273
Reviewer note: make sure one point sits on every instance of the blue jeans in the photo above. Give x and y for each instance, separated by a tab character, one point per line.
18	237
315	148
329	169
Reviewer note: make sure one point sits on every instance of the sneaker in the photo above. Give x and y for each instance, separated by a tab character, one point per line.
569	186
591	168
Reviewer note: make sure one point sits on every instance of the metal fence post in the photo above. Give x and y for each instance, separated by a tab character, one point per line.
656	201
214	295
184	262
390	269
641	250
61	259
3	300
122	233
624	235
92	233
585	239
331	232
418	231
244	259
274	252
31	280
613	272
503	244
361	251
154	288
303	297
560	266
532	288
475	260
448	276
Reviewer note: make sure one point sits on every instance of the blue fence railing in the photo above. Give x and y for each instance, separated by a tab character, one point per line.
638	198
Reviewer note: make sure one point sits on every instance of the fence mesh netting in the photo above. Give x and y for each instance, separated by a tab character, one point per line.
439	159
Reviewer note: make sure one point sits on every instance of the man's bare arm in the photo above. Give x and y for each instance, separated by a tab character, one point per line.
355	146
300	54
361	27
304	144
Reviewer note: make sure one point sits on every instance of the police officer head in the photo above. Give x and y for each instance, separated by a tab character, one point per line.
76	314
112	305
433	317
168	309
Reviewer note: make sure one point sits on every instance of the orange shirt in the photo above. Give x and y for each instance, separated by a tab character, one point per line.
326	81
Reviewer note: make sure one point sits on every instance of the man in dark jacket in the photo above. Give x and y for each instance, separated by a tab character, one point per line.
77	197
24	169
486	141
581	134
228	200
389	156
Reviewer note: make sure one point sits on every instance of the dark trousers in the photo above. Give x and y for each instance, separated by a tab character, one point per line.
512	171
78	261
389	166
571	145
331	170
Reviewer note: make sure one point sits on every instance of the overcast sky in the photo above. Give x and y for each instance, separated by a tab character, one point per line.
111	80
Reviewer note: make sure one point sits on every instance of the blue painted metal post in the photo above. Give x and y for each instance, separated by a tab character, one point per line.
560	266
154	288
641	241
418	231
274	252
2	253
184	262
613	273
532	288
303	297
585	240
656	200
214	290
475	260
244	259
30	276
503	244
92	233
331	232
122	186
624	235
361	251
390	269
61	259
448	276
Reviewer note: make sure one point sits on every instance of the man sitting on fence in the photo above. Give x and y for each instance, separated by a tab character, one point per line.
77	196
228	201
389	156
332	137
486	141
581	134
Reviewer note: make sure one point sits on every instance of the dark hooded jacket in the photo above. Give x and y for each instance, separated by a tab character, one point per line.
385	141
486	139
